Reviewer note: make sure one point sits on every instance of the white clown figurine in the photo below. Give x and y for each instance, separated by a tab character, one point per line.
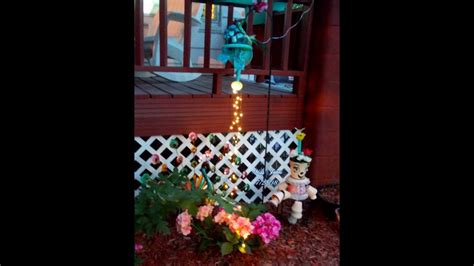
296	185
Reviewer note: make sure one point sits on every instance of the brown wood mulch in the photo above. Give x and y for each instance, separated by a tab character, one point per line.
330	194
314	240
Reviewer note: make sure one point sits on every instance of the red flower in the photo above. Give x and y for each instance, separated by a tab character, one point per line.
307	152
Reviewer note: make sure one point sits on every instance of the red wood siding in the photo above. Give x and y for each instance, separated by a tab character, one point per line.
161	116
163	107
322	95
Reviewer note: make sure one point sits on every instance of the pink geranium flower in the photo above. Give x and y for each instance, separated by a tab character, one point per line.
183	223
241	225
221	217
267	227
204	211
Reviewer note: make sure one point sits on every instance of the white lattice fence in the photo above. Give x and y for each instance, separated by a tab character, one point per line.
250	149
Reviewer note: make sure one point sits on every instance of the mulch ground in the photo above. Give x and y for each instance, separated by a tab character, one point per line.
314	240
330	193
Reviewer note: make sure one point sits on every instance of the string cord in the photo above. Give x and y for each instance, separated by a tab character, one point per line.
265	175
287	31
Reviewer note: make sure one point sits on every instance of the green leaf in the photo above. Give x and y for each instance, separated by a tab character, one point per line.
226	248
204	244
190	206
253	214
228	235
162	227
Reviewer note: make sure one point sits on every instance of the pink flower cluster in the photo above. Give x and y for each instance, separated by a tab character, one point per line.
204	211
138	247
237	224
183	222
267	227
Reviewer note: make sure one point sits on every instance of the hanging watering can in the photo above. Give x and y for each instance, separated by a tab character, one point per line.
237	48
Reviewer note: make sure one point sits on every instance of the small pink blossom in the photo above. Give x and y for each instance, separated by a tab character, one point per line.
244	174
183	223
192	136
221	217
155	159
226	171
138	247
179	159
241	225
204	211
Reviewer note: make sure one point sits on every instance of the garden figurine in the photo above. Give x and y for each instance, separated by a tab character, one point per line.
296	185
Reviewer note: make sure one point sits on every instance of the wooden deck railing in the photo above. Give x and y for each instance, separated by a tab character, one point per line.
292	63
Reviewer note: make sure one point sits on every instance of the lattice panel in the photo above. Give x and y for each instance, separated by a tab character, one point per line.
250	149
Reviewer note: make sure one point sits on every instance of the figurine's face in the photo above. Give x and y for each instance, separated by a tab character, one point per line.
298	170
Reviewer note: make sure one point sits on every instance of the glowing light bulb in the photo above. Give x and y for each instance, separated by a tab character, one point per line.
235	113
236	85
240	128
231	127
243	244
241	114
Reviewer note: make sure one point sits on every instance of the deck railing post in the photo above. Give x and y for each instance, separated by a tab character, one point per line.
216	84
139	49
187	32
286	41
163	33
230	20
268	31
207	34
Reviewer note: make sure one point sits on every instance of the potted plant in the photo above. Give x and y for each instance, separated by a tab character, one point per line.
330	202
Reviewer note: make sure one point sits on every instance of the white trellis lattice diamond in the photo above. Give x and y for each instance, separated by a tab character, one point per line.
282	138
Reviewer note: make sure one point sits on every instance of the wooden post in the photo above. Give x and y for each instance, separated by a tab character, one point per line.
230	20
187	32
163	33
216	84
139	52
286	41
266	35
207	36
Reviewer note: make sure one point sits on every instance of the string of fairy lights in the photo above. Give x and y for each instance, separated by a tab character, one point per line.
237	110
